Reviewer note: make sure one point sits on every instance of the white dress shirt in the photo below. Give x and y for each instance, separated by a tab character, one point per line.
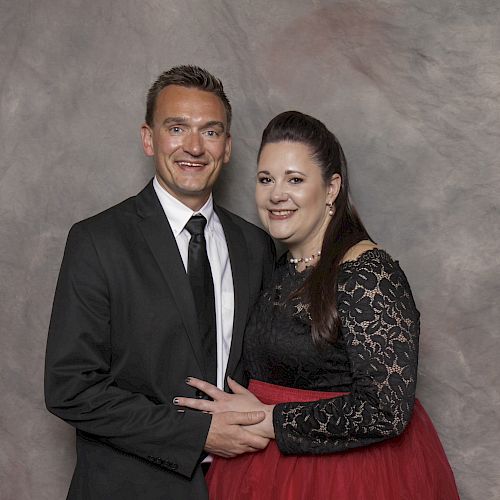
178	215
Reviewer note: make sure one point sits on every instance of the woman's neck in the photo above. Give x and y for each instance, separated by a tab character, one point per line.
304	256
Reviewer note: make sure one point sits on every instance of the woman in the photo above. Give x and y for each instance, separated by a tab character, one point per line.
331	348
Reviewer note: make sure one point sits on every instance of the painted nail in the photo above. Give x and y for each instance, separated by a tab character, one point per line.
176	401
188	380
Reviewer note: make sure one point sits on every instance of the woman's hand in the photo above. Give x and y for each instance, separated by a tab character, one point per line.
241	401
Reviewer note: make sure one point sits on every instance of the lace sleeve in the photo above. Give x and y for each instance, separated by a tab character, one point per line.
380	324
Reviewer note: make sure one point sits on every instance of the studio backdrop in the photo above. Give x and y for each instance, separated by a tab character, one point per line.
410	87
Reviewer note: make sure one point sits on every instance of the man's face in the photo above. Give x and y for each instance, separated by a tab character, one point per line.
189	142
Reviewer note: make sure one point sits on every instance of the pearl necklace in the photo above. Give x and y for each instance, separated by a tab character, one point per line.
305	260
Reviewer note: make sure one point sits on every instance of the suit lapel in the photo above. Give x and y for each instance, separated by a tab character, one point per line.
157	232
238	256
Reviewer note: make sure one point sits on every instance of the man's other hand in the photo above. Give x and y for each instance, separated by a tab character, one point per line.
227	436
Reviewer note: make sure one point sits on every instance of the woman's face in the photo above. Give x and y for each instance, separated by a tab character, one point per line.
292	197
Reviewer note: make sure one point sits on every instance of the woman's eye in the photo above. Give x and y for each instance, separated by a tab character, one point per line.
264	180
296	180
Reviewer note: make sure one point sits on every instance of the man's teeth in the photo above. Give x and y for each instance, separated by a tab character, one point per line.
189	164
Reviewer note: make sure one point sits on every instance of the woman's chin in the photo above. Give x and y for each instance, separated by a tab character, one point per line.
282	237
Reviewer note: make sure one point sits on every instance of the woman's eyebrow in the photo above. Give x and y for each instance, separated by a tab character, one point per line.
289	172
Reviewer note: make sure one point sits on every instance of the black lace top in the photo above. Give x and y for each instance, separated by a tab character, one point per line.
374	359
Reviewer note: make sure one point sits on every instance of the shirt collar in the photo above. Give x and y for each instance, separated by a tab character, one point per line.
177	213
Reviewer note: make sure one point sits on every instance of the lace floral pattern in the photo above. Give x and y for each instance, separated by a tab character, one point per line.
375	358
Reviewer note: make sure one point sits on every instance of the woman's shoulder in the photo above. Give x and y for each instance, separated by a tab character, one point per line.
368	256
359	249
368	273
368	266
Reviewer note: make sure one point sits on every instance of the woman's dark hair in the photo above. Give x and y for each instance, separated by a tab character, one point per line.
345	228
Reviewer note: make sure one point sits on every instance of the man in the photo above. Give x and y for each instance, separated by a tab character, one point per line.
138	308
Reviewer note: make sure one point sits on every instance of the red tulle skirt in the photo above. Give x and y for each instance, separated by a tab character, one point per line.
412	466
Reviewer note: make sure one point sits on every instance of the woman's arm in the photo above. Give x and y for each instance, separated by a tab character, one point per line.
381	328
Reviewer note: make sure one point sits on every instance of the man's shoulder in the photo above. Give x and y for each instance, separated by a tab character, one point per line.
261	251
115	218
111	216
250	229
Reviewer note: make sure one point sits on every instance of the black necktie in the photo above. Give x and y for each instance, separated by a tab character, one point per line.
200	277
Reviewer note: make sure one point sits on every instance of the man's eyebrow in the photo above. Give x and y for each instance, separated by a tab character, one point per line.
182	120
174	119
214	123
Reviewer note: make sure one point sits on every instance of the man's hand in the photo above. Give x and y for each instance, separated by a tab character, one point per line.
241	401
227	436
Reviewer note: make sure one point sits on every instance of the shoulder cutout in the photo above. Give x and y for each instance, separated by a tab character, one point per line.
358	249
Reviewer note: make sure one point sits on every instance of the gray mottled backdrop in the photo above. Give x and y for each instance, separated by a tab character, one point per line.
412	89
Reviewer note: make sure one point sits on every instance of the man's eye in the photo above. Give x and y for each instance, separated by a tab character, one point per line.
212	133
175	130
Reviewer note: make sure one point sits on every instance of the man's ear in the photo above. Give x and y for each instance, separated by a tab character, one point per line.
147	140
334	188
227	152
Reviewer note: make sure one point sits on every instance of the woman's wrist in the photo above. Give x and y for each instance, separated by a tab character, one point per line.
269	424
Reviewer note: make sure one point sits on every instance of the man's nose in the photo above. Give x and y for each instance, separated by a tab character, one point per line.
193	144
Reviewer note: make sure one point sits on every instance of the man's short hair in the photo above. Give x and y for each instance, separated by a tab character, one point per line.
191	77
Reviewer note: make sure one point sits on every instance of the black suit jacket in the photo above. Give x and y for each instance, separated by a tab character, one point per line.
122	340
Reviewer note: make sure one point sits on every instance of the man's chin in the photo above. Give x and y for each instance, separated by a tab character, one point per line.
193	197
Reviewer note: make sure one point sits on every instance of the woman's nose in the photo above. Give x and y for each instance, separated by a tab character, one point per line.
278	194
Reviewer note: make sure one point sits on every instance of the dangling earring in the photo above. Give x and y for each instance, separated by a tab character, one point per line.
331	211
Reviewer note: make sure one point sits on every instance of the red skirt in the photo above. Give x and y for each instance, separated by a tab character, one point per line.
412	466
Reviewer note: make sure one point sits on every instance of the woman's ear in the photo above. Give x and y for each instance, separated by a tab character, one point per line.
333	188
